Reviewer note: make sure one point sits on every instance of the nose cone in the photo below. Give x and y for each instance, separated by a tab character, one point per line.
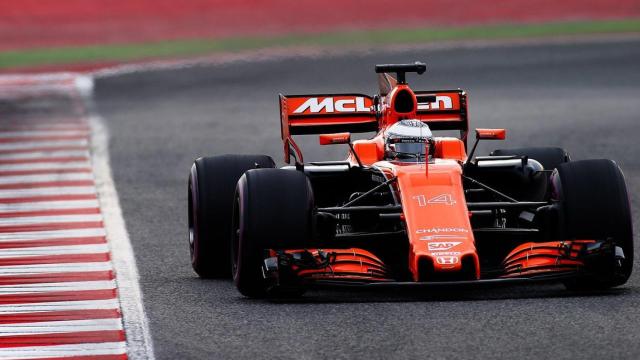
441	242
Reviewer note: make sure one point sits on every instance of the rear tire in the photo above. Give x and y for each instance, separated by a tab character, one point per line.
595	205
549	157
212	184
273	210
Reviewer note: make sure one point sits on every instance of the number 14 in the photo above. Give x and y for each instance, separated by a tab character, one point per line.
443	199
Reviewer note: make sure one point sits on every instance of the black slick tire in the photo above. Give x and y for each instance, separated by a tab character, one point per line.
212	184
273	210
595	205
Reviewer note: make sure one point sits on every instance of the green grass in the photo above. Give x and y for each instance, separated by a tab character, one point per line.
187	48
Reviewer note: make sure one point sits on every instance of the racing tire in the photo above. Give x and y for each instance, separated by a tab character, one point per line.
549	157
595	205
212	185
273	210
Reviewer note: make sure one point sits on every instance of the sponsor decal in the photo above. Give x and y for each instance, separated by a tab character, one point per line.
437	230
442	246
446	253
442	237
447	260
414	123
329	105
443	102
378	178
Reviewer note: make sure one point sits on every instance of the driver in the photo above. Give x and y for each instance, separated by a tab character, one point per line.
406	140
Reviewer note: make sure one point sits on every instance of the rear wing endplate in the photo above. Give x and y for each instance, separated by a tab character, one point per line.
321	114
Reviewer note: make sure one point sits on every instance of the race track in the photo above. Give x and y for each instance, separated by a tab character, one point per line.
584	97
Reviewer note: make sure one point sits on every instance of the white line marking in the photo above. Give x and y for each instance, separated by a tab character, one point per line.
38	352
51	268
136	325
54	234
72	190
47	166
59	306
45	178
38	154
62	286
36	220
43	143
54	250
50	205
51	327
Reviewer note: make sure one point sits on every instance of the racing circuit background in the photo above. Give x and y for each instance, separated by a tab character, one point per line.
170	81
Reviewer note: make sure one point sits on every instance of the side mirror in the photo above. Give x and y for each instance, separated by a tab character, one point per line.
491	134
332	139
340	138
486	134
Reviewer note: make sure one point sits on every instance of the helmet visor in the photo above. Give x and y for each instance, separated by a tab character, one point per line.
417	148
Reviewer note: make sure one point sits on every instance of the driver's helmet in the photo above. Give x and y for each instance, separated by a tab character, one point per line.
407	140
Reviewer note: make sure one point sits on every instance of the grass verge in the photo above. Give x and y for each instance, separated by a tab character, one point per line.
198	47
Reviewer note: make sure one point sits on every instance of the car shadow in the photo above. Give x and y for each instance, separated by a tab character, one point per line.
225	288
442	295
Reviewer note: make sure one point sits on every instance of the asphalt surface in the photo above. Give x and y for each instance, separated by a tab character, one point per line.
583	97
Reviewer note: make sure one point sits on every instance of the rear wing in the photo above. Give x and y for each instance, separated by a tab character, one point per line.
333	113
320	114
444	110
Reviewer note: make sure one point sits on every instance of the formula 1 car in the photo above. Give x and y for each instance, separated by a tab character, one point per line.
406	208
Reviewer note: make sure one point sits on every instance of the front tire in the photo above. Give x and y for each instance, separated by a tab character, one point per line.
212	183
273	210
595	205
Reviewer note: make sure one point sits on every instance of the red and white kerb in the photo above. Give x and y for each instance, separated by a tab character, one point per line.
58	292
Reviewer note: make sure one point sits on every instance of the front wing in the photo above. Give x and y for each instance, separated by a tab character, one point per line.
528	263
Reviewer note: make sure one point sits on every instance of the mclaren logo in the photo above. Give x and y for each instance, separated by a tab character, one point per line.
442	102
330	105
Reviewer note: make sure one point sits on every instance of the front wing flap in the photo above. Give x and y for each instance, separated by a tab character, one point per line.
362	269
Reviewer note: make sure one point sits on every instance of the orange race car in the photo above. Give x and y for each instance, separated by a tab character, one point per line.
406	207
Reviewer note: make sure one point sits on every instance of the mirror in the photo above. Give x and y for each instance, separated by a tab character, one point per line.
491	134
338	138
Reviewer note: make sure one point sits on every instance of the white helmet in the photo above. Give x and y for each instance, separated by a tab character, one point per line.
407	139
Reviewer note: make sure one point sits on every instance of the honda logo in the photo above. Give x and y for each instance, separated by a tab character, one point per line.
447	260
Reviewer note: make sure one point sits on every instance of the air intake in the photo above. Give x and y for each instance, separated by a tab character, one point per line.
426	271
404	102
